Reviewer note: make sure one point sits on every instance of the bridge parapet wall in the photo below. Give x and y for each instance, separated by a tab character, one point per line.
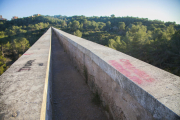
25	87
129	88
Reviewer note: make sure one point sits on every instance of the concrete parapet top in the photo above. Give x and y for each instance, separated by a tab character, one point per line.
22	85
140	79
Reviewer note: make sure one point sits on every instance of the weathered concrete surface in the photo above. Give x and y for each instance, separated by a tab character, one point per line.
132	89
71	95
24	86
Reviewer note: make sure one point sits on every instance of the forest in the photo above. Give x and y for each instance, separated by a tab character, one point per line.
153	41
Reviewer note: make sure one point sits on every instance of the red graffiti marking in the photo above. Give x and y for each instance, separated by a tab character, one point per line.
127	69
28	54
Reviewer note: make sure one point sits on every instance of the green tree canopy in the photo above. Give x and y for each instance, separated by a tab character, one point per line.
75	25
121	26
78	33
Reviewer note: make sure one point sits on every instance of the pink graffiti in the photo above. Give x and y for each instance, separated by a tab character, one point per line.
127	69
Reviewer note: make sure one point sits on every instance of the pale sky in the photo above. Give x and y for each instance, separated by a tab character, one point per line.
165	10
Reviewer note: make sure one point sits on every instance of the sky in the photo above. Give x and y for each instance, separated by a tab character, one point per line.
164	10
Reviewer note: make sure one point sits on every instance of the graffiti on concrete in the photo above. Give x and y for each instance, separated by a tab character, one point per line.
126	68
40	64
27	66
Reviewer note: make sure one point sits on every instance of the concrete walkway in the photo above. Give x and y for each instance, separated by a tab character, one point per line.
71	95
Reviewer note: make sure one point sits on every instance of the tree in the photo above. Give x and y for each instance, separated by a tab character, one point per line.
85	23
36	26
88	24
75	25
170	31
112	16
112	44
19	46
2	41
69	25
81	25
121	26
117	44
108	23
136	37
63	24
101	25
78	33
2	64
174	53
94	25
24	44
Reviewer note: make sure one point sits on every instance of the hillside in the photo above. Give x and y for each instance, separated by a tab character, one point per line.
153	41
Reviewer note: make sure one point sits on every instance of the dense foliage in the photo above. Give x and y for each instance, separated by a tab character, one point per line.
16	36
153	41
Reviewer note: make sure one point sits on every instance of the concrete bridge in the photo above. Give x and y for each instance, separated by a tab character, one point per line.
56	77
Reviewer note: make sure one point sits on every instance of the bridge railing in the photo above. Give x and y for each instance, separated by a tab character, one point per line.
26	86
129	88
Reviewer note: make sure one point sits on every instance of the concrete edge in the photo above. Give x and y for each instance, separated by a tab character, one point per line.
46	86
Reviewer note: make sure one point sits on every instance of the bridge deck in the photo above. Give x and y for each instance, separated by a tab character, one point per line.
71	95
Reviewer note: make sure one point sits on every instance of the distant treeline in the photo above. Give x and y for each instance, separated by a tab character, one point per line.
153	41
